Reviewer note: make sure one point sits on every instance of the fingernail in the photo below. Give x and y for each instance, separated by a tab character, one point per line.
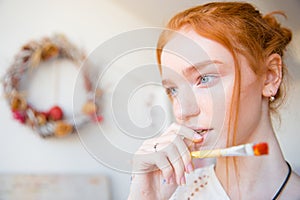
197	138
189	168
182	180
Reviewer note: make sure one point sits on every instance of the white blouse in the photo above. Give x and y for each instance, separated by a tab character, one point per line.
201	184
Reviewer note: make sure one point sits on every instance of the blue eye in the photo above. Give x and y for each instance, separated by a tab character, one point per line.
172	91
206	79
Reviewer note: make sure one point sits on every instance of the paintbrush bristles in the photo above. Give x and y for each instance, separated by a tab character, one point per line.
260	149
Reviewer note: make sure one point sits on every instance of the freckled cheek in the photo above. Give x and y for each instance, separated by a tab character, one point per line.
205	102
179	108
176	108
218	107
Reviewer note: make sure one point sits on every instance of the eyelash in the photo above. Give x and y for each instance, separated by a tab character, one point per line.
200	80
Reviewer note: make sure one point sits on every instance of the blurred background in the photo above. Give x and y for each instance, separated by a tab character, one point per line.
88	24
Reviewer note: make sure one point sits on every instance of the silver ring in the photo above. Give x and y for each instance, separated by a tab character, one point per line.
155	147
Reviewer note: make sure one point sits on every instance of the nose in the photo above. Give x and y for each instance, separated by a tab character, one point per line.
185	107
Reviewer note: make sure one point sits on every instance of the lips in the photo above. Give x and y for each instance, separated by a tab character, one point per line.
202	131
200	135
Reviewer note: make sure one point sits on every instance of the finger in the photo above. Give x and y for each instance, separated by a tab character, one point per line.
156	145
190	136
176	161
184	153
163	143
164	165
181	146
148	160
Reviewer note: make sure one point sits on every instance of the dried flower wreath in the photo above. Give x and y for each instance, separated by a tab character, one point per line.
51	122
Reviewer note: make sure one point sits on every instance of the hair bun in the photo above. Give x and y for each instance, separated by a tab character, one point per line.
282	34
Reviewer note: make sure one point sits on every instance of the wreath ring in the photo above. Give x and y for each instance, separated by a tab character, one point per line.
51	122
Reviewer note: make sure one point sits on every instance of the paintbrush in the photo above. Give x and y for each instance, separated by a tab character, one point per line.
250	149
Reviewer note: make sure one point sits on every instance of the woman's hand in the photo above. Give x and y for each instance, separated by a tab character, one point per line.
160	163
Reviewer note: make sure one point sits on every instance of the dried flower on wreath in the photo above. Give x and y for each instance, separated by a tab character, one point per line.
51	122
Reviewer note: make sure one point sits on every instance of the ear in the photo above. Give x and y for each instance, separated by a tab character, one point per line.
273	75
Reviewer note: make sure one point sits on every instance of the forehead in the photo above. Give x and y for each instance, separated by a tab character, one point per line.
187	48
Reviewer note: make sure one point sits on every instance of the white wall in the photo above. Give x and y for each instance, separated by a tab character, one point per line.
87	23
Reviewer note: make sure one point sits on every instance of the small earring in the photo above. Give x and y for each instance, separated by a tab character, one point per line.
272	98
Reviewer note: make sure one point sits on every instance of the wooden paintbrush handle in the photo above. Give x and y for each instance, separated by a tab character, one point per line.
206	153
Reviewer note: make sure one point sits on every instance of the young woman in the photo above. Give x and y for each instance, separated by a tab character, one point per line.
223	87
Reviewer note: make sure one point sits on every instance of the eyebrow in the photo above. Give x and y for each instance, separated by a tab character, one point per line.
196	66
200	65
166	82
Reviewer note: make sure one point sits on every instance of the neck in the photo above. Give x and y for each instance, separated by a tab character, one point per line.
244	177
